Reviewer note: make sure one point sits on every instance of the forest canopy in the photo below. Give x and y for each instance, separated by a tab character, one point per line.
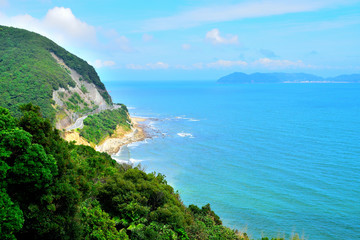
28	72
99	126
52	189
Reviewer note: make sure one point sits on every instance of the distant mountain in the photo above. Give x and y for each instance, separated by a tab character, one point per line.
238	77
351	78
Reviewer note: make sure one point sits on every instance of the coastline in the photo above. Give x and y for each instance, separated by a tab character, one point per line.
112	144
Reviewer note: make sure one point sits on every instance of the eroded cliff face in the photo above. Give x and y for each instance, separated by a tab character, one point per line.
74	102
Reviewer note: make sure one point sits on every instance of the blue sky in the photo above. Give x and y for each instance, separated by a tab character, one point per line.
197	40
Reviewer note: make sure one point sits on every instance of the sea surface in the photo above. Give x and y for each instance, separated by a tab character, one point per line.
271	159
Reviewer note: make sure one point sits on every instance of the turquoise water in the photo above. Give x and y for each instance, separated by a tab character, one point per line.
270	159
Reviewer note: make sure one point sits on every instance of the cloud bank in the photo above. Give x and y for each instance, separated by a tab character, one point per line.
264	63
148	66
226	64
280	64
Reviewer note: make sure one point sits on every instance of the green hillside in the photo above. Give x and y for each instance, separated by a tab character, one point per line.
99	126
28	72
52	189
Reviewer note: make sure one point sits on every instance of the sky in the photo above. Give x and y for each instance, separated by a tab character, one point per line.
197	39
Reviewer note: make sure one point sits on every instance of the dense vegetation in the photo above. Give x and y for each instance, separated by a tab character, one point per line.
101	125
52	189
28	72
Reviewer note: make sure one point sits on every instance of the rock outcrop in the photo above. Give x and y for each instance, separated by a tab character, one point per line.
74	102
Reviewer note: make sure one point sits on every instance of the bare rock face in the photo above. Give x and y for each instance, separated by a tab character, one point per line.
78	101
113	144
63	123
75	136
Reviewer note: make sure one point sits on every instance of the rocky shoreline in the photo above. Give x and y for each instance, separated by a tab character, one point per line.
112	144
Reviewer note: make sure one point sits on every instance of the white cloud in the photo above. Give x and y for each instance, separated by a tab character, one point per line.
147	37
186	46
226	64
63	20
217	64
246	9
262	63
59	24
63	27
149	66
214	37
99	63
280	64
158	65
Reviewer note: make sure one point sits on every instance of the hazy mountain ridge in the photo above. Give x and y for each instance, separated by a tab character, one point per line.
239	77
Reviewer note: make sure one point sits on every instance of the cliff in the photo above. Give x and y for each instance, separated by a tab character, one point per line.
35	69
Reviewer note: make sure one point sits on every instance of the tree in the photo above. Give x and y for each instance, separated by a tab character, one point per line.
26	172
11	217
97	224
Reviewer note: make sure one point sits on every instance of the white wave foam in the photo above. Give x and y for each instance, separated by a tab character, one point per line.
182	134
151	125
136	144
193	120
186	118
127	161
181	118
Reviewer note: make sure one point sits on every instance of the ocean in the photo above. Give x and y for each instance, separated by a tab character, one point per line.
271	159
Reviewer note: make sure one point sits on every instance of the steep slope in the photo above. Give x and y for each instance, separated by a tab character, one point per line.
35	69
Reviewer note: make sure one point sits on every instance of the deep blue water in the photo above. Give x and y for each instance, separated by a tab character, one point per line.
270	159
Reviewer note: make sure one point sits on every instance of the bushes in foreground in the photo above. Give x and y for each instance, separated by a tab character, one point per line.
52	189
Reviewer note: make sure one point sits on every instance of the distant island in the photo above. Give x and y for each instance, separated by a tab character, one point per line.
239	77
